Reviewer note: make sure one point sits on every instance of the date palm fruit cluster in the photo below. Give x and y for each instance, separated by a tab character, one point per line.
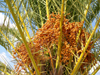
47	37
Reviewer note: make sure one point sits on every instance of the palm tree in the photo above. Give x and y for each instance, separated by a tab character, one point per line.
30	15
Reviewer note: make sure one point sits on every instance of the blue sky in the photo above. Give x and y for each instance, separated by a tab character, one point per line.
6	55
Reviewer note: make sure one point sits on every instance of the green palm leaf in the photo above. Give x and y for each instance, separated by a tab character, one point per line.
32	14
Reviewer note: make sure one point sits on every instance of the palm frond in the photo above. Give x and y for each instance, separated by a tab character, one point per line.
30	15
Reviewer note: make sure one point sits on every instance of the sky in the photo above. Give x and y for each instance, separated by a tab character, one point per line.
4	53
7	20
